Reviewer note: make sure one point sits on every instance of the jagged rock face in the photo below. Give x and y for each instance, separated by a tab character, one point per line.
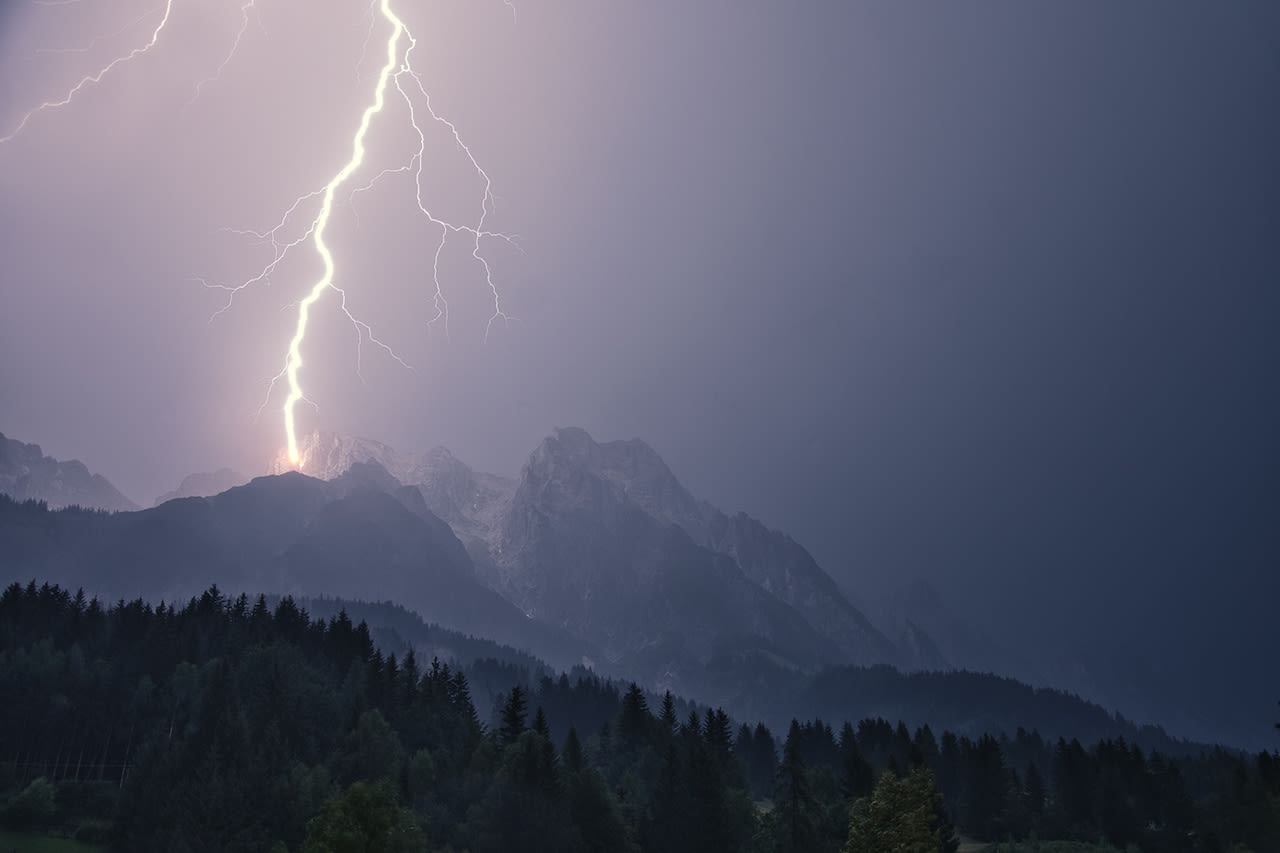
469	501
327	456
637	471
205	485
917	609
577	551
920	651
781	565
26	473
361	535
587	540
638	477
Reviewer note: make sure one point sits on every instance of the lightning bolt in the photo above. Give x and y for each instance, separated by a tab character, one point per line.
397	70
245	8
95	78
94	41
293	361
309	217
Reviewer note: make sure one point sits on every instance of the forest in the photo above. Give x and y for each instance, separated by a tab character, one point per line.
226	724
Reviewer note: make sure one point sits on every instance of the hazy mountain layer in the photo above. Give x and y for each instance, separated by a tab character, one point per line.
573	569
634	475
26	473
573	557
361	536
205	485
576	552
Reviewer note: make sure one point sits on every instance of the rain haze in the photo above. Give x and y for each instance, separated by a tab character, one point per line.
984	294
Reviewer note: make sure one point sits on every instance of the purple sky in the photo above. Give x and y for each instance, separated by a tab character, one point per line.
984	293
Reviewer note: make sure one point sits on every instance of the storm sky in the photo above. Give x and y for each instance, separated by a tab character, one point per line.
984	293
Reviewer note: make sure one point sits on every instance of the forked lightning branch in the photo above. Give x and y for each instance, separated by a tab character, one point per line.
307	220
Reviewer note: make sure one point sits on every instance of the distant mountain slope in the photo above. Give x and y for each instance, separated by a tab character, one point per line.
917	609
397	630
286	534
967	703
204	485
26	473
612	542
576	551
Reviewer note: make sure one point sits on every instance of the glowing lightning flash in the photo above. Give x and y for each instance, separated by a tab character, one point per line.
393	69
293	362
397	69
95	78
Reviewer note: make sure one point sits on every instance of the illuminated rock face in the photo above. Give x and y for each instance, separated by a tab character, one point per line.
26	473
602	540
471	501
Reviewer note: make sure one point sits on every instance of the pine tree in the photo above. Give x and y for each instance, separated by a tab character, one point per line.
762	761
668	715
513	714
634	718
1035	791
574	760
857	779
540	723
666	827
795	803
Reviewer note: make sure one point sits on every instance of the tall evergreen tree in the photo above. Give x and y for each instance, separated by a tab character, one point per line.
513	716
668	713
795	807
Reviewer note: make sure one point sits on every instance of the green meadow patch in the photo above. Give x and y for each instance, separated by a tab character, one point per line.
17	842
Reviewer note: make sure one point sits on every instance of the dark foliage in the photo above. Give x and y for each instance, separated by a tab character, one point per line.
231	725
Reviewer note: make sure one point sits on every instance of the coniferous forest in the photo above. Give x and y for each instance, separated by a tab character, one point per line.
226	724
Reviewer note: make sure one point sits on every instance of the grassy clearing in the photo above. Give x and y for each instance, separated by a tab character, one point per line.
14	842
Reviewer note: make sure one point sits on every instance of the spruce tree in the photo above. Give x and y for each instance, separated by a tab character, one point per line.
513	715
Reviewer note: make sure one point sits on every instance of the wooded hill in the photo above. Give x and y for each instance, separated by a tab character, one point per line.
227	725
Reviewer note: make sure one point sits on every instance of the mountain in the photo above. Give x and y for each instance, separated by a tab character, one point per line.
596	554
589	524
327	456
965	702
204	485
361	535
470	501
27	474
638	477
600	506
917	608
574	551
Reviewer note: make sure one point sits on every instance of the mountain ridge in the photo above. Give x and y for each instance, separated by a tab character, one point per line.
492	514
27	473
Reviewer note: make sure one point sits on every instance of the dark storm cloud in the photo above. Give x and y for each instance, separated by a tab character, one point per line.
980	293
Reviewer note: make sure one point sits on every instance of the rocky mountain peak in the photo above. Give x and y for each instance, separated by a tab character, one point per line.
327	455
576	490
367	476
634	472
26	473
204	485
468	500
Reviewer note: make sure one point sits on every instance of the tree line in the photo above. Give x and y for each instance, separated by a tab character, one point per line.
226	724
